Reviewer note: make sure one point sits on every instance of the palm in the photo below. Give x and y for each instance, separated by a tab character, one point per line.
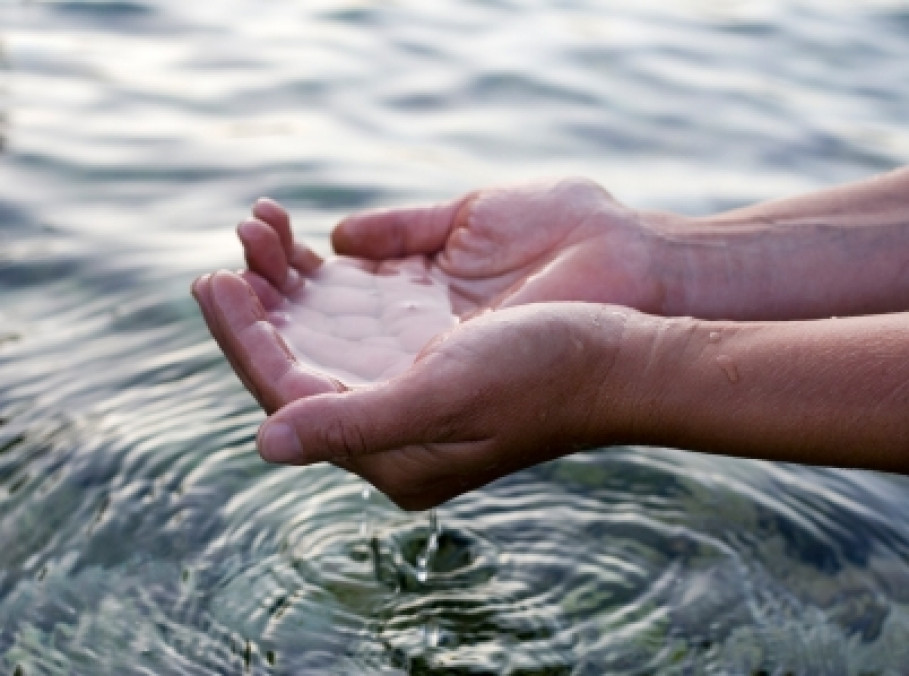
357	321
360	323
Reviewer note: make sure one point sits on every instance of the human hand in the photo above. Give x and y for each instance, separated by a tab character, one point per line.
491	396
500	247
356	320
406	274
297	326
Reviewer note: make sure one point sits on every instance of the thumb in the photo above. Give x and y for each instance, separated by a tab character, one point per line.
398	233
335	427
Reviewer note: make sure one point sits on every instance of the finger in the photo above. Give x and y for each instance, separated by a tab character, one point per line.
304	259
300	256
351	424
256	348
264	252
273	214
201	291
395	233
268	295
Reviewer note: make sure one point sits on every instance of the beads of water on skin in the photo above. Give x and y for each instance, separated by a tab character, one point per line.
714	337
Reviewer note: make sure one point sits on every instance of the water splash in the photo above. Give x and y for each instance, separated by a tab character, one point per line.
425	559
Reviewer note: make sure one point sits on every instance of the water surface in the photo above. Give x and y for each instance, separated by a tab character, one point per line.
140	532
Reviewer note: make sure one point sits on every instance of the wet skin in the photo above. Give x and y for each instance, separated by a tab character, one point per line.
505	328
448	283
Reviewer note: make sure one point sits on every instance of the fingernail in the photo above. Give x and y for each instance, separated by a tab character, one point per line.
279	443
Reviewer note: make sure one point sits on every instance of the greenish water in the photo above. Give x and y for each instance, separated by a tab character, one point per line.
139	531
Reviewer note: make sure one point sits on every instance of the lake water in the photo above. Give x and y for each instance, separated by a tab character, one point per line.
139	531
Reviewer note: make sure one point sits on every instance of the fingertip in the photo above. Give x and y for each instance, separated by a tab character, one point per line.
275	216
195	288
264	250
278	443
374	234
341	240
267	206
245	228
233	296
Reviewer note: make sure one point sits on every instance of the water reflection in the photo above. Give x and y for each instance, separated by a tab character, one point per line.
141	533
4	100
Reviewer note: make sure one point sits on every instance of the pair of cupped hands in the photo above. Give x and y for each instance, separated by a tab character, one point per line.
444	346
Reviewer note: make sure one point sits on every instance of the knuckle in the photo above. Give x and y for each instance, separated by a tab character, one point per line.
344	439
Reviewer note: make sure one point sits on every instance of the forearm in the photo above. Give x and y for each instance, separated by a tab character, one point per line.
828	392
841	251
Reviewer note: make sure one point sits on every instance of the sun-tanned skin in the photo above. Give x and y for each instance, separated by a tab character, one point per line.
576	330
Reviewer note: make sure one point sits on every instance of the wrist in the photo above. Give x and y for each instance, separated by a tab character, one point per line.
714	268
682	257
629	377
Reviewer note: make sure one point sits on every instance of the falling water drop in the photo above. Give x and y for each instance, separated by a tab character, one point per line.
365	494
424	560
431	633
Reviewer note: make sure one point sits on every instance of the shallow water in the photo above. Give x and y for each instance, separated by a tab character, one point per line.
140	532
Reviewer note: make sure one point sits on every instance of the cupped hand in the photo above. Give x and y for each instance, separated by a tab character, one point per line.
478	402
493	395
537	242
356	320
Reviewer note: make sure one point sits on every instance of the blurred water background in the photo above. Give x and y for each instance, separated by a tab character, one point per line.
139	531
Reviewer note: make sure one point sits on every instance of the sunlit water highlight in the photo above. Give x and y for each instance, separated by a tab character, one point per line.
140	532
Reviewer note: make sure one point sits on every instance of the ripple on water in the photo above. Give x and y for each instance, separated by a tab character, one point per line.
140	531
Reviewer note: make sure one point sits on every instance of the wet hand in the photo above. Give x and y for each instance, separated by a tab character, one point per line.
356	320
294	327
501	247
491	396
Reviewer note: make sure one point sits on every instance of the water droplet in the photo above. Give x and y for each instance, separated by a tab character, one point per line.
247	655
424	560
728	366
431	633
714	337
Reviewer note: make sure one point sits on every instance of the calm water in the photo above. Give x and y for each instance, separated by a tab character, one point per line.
139	531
